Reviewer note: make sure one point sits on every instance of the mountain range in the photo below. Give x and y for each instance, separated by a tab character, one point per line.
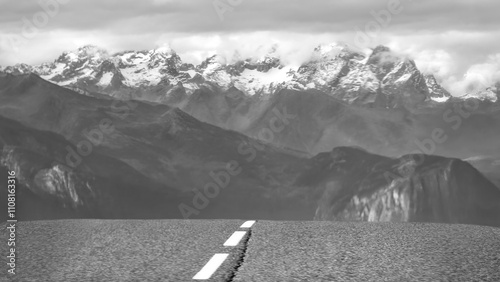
381	78
384	94
344	136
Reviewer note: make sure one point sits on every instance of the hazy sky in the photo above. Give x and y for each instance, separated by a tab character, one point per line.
447	37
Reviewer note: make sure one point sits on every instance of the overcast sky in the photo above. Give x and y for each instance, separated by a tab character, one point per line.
446	37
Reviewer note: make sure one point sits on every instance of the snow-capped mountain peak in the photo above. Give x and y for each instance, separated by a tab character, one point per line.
270	58
88	52
333	51
336	69
164	50
489	93
212	64
17	69
436	91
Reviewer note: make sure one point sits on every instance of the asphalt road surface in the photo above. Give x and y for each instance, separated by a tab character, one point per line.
237	250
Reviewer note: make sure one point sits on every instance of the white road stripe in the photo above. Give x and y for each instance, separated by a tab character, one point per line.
211	266
247	224
235	238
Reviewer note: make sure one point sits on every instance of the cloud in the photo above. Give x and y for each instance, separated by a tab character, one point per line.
437	62
477	77
198	16
448	38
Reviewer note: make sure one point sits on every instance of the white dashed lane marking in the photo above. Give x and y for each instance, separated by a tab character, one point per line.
211	266
247	224
216	261
235	239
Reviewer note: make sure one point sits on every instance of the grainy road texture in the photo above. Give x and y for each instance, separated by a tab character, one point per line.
119	250
175	250
334	251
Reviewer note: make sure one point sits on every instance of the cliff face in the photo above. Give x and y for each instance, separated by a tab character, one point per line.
414	188
102	187
55	182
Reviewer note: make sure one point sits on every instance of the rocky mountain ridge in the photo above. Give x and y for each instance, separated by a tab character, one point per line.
381	78
412	188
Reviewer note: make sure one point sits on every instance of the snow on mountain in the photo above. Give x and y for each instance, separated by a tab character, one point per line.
253	75
254	81
491	93
73	66
262	75
105	79
148	68
327	65
360	84
17	69
404	79
269	60
336	69
436	92
215	69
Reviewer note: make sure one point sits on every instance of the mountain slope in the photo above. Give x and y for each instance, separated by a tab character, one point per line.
102	187
454	129
134	132
95	157
361	186
162	144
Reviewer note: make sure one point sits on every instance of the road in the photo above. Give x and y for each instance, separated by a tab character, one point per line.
236	250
